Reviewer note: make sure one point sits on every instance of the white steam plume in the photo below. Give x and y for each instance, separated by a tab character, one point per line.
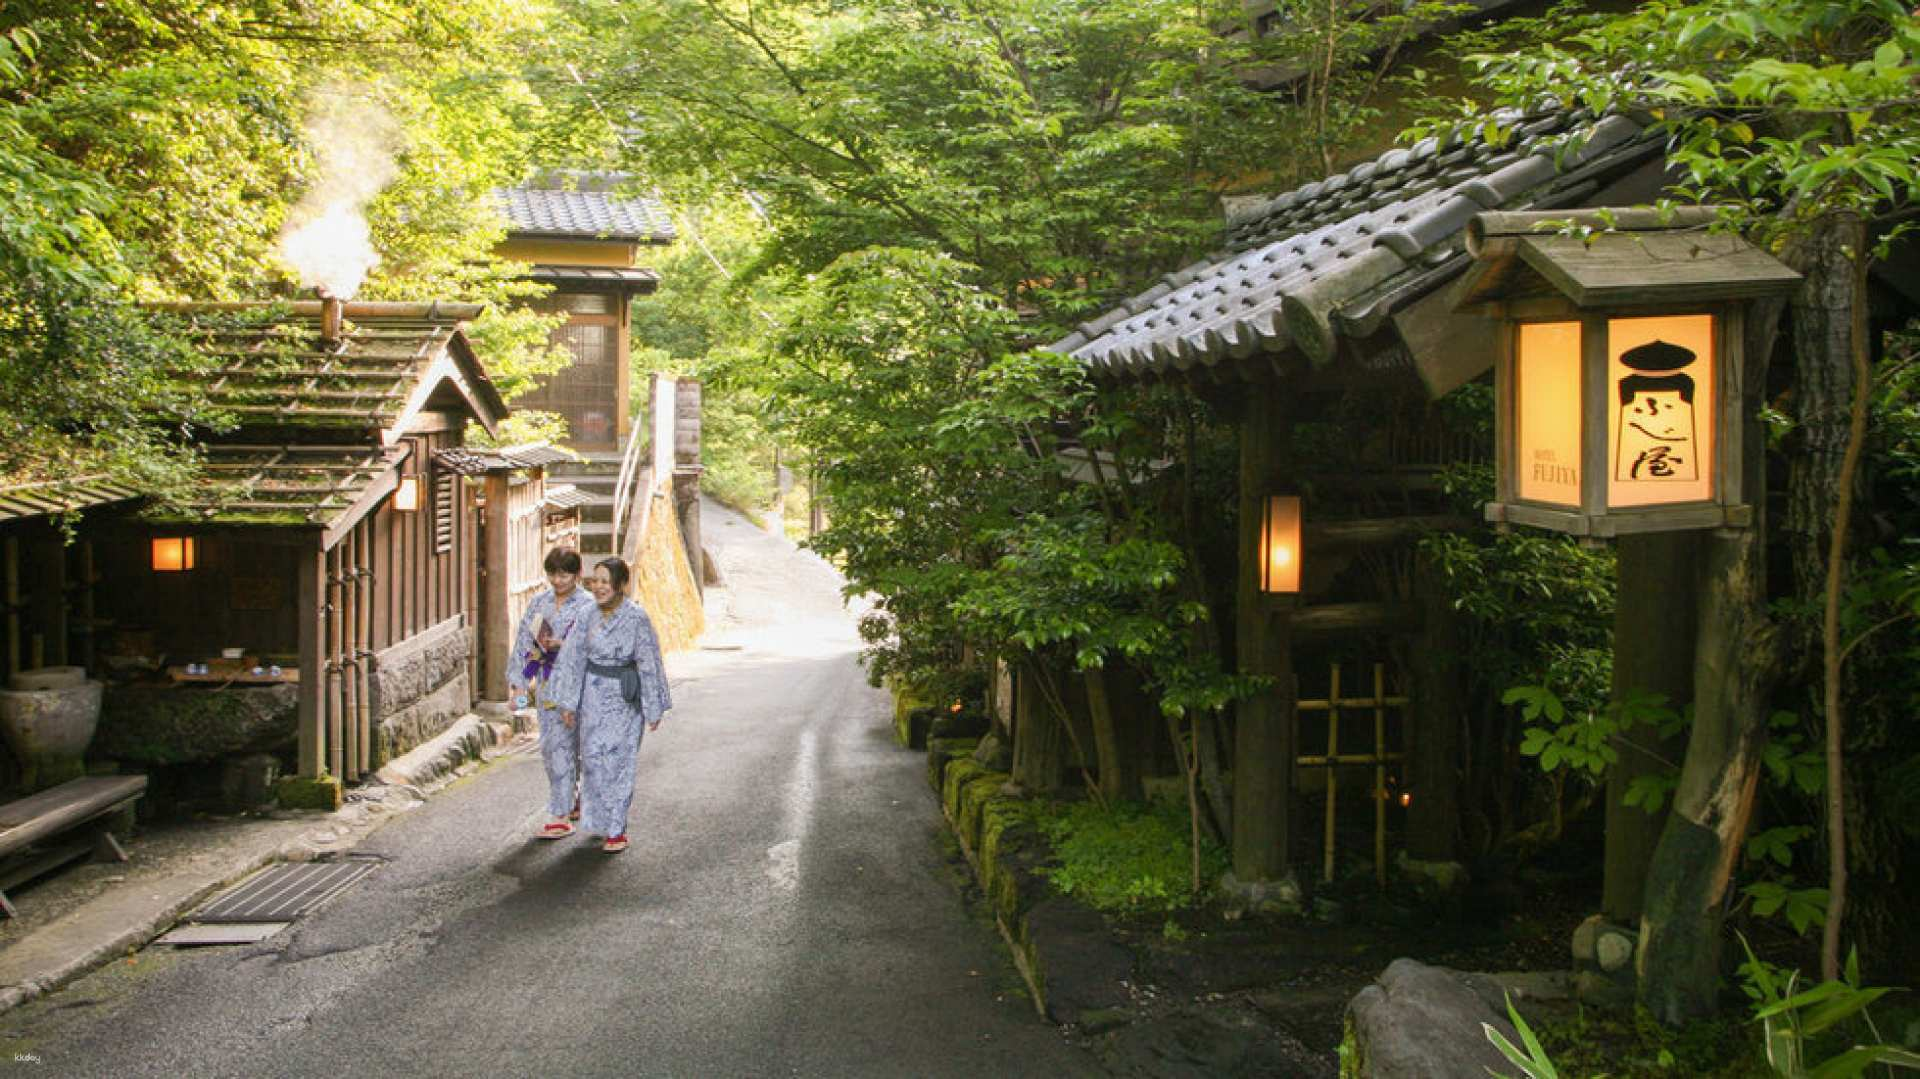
356	142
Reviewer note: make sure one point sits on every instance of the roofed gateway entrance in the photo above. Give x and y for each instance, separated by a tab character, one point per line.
1326	297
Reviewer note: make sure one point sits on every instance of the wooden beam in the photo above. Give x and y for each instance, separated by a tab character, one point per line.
1380	532
1333	619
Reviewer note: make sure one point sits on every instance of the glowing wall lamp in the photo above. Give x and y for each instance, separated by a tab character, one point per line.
1280	545
406	496
173	554
1618	387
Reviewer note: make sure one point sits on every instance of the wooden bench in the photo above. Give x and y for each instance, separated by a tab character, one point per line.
25	823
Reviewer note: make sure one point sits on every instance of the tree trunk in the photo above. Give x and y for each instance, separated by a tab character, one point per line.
1832	648
1119	770
1039	757
1736	655
1679	953
1653	646
1820	405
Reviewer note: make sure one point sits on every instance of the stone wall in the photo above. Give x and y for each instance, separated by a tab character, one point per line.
420	687
663	581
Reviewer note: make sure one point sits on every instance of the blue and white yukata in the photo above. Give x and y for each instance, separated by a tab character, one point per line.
532	668
587	682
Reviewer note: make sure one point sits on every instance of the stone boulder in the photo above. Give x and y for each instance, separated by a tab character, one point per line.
1422	1022
177	725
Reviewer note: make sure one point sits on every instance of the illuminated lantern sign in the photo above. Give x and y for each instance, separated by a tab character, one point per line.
173	554
1280	545
1619	397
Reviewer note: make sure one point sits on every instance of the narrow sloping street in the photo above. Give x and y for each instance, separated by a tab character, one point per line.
786	909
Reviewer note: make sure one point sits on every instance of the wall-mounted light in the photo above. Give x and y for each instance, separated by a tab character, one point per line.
1280	545
406	497
173	554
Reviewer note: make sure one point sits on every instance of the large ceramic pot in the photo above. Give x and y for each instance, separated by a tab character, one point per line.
48	718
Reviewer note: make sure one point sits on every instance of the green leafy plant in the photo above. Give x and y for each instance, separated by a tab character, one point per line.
1532	1060
1125	858
1793	1019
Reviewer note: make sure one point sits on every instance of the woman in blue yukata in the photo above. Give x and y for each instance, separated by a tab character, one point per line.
552	625
615	685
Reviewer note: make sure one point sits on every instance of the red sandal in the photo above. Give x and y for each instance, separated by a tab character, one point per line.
555	830
614	844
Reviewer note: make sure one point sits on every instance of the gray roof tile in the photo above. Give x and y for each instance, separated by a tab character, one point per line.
584	214
1371	237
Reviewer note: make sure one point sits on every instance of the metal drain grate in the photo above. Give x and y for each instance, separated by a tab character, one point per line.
284	892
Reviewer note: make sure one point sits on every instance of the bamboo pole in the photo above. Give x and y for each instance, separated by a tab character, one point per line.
1333	774
364	582
1380	774
349	662
336	763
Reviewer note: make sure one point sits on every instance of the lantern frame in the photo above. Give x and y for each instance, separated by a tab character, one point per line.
406	493
1599	269
1595	514
1282	528
182	556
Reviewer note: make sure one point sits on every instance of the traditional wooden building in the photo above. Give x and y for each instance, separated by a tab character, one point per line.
327	546
1327	303
586	242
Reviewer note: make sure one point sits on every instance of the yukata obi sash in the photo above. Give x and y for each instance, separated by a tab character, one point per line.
631	688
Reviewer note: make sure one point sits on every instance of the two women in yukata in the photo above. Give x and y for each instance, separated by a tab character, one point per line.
602	686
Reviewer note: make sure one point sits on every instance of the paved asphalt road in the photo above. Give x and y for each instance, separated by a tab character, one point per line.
786	908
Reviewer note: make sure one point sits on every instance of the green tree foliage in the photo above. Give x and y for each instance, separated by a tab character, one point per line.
152	151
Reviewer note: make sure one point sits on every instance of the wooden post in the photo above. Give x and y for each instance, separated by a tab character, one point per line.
309	598
89	612
1654	625
13	605
496	582
1264	736
1434	723
49	558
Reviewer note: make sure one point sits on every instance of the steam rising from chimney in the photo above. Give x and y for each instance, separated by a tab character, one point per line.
355	141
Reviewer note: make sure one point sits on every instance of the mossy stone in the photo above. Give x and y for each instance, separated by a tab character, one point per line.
303	792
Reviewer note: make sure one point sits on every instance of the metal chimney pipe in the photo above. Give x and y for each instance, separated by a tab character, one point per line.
332	309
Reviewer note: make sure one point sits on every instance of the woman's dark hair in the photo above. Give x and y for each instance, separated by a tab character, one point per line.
562	560
617	573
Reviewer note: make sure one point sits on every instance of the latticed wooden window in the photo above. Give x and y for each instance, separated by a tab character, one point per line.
446	502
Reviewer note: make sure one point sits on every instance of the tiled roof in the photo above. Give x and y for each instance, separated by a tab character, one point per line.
472	461
584	214
636	278
60	496
565	496
288	485
1337	256
279	371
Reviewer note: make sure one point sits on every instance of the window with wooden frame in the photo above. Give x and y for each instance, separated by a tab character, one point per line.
446	501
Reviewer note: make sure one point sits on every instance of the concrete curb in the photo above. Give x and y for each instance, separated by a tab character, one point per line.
468	739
